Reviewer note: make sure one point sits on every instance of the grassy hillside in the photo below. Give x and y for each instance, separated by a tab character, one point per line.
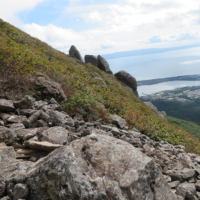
22	55
188	126
189	110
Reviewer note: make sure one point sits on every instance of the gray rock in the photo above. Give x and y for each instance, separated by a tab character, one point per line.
25	103
2	123
16	126
2	188
127	80
20	191
103	65
6	105
26	112
45	146
39	123
34	116
187	173
197	185
186	190
7	135
102	82
73	52
16	119
154	109
118	121
174	184
55	135
7	154
97	167
91	59
6	198
106	127
54	119
46	88
26	134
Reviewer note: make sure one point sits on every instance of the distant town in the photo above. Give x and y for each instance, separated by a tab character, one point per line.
179	94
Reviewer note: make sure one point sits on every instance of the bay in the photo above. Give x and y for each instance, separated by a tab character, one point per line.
170	85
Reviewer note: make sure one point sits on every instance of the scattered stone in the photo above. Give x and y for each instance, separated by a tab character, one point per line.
16	119
7	154
118	121
26	134
6	105
55	135
73	52
103	65
7	135
16	126
187	173
45	146
186	189
26	112
2	123
25	103
174	184
2	188
20	191
34	116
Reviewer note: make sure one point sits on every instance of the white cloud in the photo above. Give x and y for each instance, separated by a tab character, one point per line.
123	26
10	8
190	62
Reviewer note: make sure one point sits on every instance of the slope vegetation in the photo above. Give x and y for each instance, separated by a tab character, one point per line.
22	55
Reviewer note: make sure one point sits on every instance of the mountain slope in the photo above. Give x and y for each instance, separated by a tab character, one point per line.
22	55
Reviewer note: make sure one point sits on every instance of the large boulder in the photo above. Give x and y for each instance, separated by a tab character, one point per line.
91	59
46	88
103	65
127	80
154	109
73	52
96	167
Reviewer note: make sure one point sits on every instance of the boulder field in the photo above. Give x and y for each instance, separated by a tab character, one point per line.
46	154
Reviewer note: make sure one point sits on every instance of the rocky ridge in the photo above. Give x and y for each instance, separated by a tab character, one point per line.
124	78
46	154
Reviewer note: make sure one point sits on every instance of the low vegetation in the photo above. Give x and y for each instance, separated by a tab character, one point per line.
188	126
22	55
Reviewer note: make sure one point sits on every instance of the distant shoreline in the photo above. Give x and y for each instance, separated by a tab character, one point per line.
195	77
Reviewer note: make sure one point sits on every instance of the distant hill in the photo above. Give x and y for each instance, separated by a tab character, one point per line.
195	77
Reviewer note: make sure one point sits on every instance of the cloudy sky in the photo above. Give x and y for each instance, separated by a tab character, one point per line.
107	26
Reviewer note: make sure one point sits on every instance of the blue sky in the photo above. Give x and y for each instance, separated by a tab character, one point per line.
107	26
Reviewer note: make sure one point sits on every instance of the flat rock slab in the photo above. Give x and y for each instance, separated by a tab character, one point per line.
96	167
45	146
26	134
6	105
16	119
55	135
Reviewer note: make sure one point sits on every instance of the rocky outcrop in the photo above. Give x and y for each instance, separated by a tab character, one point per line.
73	159
154	109
73	52
103	65
127	80
91	59
46	88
